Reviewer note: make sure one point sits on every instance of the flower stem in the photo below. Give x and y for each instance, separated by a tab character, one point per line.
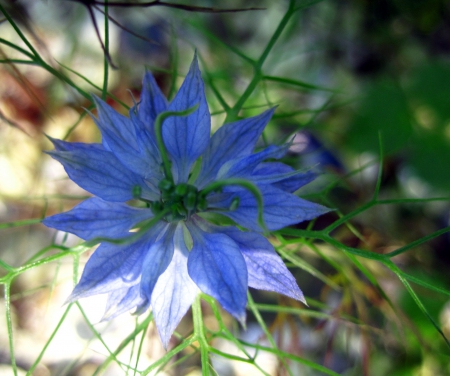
257	65
159	139
10	327
106	62
199	334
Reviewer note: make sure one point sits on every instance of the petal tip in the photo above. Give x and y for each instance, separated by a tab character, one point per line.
165	339
73	297
242	318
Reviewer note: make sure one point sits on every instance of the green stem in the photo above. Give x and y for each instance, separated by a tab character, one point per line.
262	324
159	139
9	325
63	78
291	10
142	326
105	59
17	61
24	222
417	242
199	333
85	79
345	218
257	76
47	344
5	266
18	31
17	48
169	355
36	57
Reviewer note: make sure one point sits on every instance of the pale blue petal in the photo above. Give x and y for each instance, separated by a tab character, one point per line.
281	209
156	261
102	174
281	176
243	167
218	268
233	140
98	218
266	270
121	301
174	292
152	103
114	266
187	137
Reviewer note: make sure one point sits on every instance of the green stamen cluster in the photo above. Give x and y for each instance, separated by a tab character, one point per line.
181	201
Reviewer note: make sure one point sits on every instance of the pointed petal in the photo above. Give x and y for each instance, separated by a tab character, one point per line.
218	268
61	145
119	135
232	140
156	262
281	209
121	301
113	266
102	174
281	176
98	218
243	167
266	270
116	128
152	103
292	183
174	292
187	137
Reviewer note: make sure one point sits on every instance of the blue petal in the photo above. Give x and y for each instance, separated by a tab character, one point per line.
174	292
119	136
295	182
233	140
243	167
61	145
186	138
281	209
266	270
281	176
121	301
102	174
98	218
147	145
116	128
156	262
152	103
114	267
218	268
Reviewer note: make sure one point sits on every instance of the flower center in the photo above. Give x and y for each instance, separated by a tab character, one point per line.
181	201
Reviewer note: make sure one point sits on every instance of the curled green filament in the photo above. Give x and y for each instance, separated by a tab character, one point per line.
252	188
167	165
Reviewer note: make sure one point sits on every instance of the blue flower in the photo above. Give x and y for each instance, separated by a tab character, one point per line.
168	172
